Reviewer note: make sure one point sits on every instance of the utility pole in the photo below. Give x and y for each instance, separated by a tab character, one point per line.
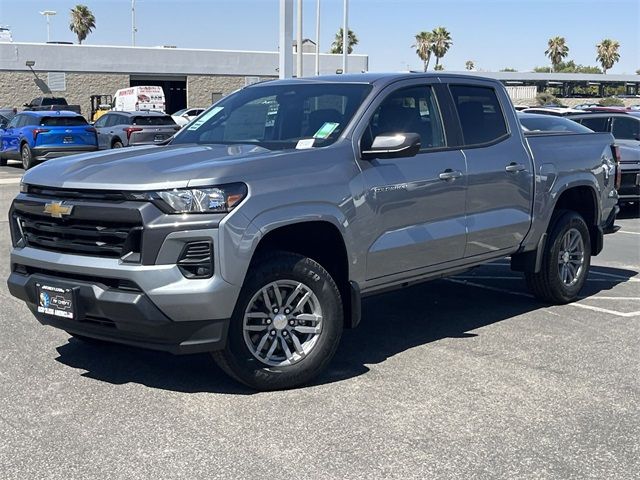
48	14
285	37
345	36
133	23
299	41
318	37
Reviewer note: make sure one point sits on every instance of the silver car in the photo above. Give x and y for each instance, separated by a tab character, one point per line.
124	129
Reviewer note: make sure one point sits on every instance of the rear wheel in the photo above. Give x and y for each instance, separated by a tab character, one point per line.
26	156
566	260
117	144
286	325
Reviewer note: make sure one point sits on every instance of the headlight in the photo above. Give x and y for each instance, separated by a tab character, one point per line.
220	199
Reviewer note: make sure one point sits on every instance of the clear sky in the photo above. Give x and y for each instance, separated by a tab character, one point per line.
493	33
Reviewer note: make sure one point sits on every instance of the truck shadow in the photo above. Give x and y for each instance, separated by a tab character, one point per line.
392	323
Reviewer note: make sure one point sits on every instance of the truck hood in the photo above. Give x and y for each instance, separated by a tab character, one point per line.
144	168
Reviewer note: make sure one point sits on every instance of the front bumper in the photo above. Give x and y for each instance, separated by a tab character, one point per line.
121	315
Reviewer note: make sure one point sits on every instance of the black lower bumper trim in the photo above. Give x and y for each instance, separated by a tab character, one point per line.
122	316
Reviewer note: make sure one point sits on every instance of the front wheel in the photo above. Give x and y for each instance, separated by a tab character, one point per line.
286	325
566	260
26	156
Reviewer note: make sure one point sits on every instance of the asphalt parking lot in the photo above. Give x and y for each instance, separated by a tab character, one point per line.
467	377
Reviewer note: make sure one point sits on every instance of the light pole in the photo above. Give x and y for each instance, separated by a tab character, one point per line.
345	36
318	37
285	37
133	23
48	14
299	41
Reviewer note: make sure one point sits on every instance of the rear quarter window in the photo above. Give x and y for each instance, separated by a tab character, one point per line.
63	121
481	117
153	121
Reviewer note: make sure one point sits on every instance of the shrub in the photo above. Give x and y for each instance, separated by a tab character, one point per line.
545	98
611	102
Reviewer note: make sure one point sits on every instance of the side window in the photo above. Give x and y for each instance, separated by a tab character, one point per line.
481	117
101	122
14	121
25	121
408	110
626	128
598	124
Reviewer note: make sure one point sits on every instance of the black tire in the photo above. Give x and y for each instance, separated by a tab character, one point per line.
117	144
26	156
3	162
89	340
240	363
547	284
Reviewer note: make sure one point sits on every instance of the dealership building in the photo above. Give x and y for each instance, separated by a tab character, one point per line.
189	77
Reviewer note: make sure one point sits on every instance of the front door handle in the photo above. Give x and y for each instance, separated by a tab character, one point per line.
449	174
514	167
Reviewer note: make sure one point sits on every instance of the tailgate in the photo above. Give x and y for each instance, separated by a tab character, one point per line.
152	134
65	136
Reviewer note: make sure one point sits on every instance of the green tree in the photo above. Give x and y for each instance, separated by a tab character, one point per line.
569	67
423	48
608	54
441	39
336	46
82	22
469	65
638	72
557	51
508	69
545	98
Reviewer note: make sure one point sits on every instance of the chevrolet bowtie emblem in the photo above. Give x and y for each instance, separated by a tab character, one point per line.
57	209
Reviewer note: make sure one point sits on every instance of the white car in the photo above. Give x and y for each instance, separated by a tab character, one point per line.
184	116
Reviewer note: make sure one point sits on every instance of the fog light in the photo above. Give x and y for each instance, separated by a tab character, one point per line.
196	260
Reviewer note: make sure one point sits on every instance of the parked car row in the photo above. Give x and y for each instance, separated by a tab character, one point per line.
35	136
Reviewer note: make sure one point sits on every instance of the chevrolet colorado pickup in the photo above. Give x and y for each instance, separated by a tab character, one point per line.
255	232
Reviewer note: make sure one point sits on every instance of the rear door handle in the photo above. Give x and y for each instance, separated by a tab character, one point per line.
514	167
449	174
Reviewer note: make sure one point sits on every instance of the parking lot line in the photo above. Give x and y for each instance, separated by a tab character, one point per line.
10	181
628	233
463	281
491	277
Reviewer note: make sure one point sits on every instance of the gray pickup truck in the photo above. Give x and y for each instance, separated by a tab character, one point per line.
256	231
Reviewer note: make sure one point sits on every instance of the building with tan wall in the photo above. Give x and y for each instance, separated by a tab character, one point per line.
190	77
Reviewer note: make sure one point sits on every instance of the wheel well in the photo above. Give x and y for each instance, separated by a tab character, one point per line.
320	241
582	200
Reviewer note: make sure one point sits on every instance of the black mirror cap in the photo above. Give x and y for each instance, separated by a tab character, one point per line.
393	145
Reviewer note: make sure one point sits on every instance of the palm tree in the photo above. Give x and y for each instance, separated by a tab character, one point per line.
469	65
82	22
557	51
607	53
423	48
336	46
441	42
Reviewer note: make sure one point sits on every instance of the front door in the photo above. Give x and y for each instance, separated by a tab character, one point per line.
416	203
500	172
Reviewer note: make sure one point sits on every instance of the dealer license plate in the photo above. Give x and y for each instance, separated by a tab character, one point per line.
55	301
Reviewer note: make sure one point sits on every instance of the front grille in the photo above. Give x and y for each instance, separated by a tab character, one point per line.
629	184
84	237
58	193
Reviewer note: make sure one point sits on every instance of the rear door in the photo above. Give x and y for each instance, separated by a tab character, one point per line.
499	168
626	130
416	204
10	145
104	141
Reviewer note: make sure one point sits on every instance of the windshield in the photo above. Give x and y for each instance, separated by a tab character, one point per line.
279	117
180	112
548	123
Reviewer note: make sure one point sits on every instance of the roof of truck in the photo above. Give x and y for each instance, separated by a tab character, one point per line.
372	78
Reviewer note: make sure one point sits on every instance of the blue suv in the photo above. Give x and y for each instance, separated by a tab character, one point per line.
37	136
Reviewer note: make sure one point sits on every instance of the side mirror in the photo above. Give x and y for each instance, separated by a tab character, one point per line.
393	145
